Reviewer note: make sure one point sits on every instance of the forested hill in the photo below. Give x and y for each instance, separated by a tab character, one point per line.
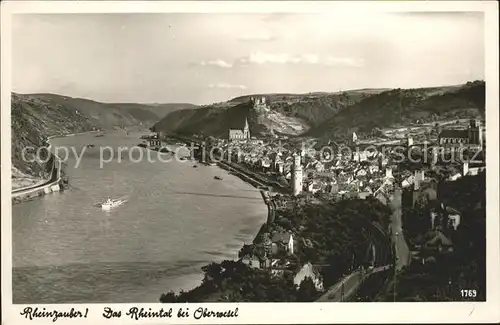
402	106
288	114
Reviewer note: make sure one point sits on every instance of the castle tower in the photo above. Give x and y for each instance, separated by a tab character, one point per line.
296	175
434	157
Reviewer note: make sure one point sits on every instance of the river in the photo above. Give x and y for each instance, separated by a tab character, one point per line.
176	219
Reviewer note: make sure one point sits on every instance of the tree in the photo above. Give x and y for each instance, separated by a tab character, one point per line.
307	290
212	272
168	297
246	250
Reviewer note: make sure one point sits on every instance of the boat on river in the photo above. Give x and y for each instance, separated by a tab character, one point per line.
218	178
109	203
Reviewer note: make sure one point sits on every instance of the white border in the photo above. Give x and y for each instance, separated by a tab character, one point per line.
275	313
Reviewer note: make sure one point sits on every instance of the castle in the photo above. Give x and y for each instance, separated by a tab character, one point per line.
259	103
256	101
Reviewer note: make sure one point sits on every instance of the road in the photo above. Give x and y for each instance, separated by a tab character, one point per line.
54	178
348	285
403	253
349	282
39	184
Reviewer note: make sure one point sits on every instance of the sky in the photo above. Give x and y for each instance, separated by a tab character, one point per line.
206	58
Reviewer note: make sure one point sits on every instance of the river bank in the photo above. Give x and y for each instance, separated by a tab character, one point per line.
178	219
47	186
267	199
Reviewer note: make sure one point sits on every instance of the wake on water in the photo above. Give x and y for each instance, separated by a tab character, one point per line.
124	200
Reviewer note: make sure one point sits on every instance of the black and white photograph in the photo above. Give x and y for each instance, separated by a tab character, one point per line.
187	161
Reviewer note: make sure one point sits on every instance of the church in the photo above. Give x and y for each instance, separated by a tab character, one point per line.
240	134
472	136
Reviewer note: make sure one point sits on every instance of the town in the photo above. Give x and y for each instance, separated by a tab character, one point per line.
401	174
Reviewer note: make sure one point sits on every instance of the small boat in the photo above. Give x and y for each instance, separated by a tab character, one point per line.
109	203
218	178
195	166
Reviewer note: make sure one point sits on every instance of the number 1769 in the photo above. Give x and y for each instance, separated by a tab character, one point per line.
468	293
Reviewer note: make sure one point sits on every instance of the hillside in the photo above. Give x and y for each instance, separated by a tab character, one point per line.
32	120
36	116
403	106
289	114
114	114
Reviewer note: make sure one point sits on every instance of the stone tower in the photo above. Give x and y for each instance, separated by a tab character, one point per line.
296	175
474	133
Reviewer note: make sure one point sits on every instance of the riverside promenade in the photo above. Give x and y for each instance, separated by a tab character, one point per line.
45	187
53	184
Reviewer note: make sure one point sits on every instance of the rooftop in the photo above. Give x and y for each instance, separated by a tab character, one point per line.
449	133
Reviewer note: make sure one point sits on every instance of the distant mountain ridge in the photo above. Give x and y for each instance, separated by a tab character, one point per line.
34	117
148	113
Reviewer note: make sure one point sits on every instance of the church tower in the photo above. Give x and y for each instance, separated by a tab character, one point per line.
246	130
474	133
296	175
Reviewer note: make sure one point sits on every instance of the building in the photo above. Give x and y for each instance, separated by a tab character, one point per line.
240	134
283	240
418	179
255	262
409	141
256	101
472	136
155	140
388	174
296	175
354	138
453	217
308	270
